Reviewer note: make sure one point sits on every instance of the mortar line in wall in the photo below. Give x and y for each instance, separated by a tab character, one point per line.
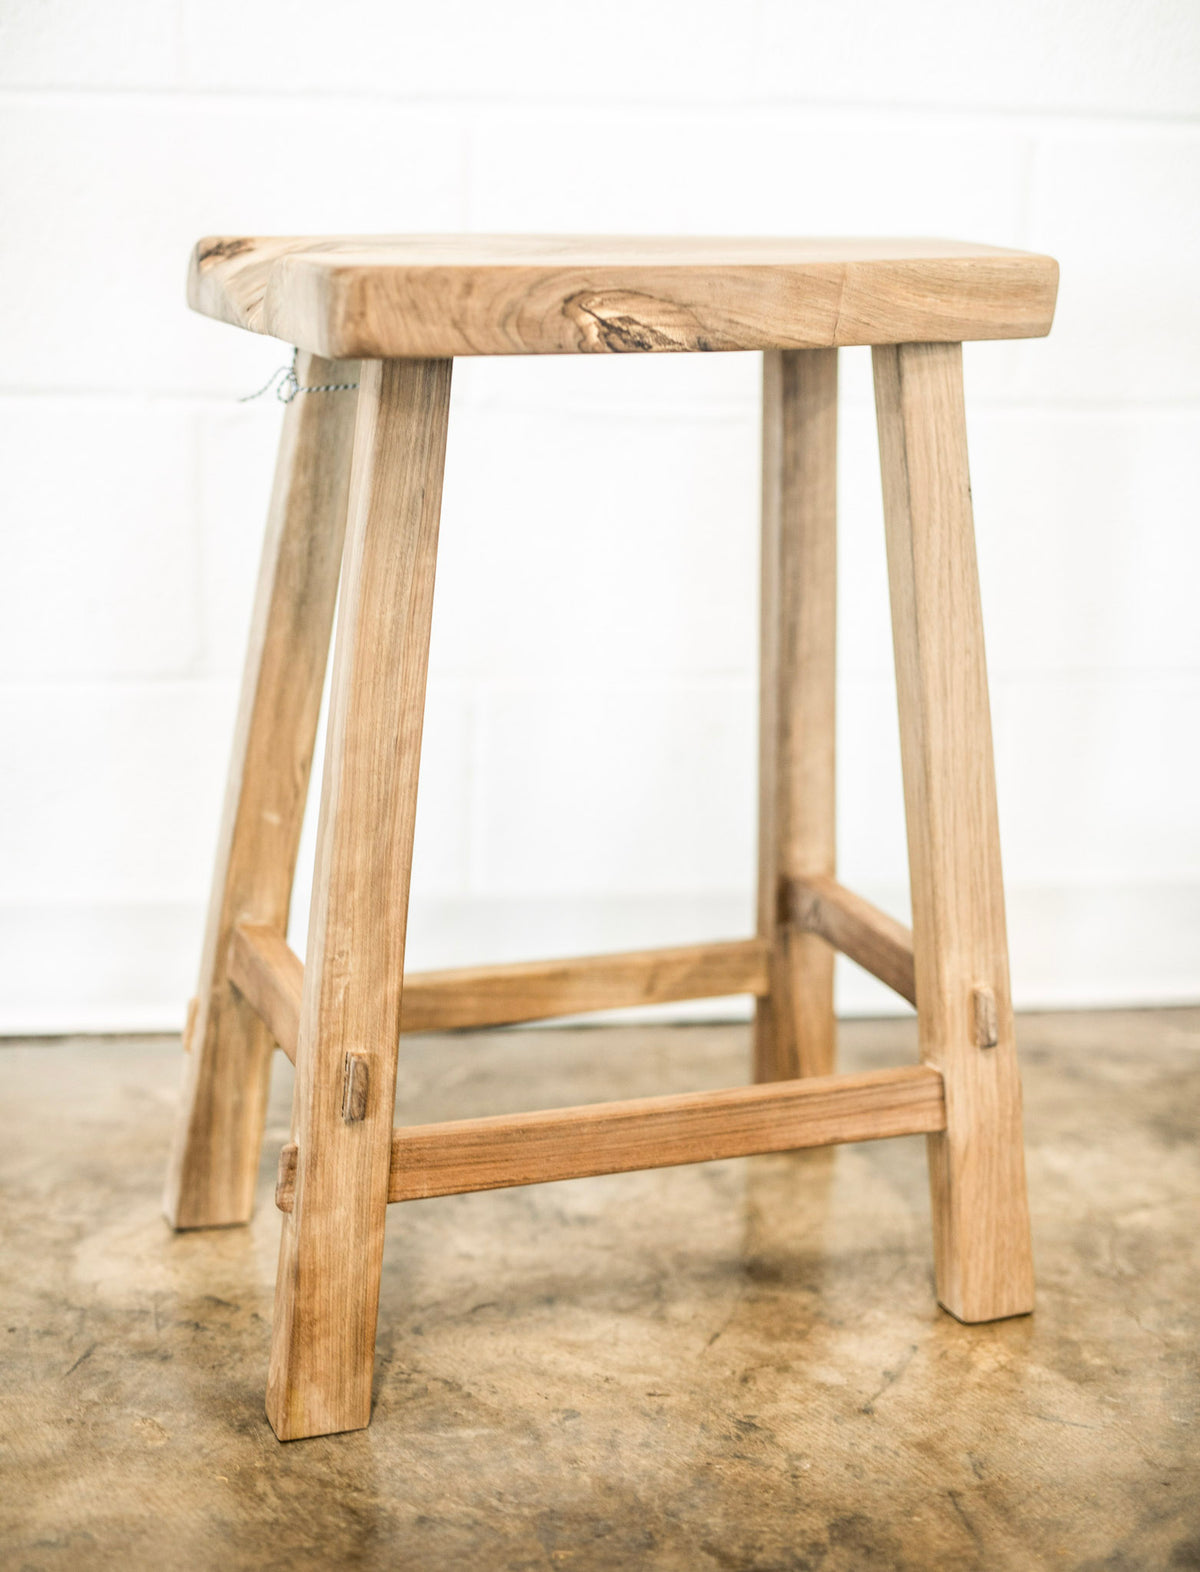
627	411
1082	878
730	106
483	682
1081	408
224	402
675	411
640	678
1118	676
1100	119
746	410
14	686
120	681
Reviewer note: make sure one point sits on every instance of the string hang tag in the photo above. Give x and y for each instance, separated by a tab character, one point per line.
287	385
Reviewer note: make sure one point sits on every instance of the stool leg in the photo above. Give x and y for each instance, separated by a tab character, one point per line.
794	1027
214	1160
331	1253
977	1167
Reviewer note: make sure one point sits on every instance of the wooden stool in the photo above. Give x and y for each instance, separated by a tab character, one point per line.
370	468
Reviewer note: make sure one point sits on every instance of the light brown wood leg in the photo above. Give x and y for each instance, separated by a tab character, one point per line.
977	1167
331	1253
214	1159
795	1032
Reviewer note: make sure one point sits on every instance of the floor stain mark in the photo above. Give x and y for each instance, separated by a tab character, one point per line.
87	1354
1075	1424
890	1377
963	1518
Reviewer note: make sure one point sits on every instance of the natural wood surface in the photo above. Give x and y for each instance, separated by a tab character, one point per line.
795	1032
877	942
214	1160
977	1167
654	1132
448	295
327	1290
271	976
537	990
189	1023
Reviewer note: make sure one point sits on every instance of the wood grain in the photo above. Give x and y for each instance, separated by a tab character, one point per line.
656	1132
327	1290
795	1032
538	990
977	1167
450	295
271	977
189	1023
214	1158
877	942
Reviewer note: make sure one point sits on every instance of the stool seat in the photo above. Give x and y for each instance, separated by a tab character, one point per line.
441	296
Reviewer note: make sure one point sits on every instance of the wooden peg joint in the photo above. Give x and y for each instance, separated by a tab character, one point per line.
356	1083
285	1184
983	1014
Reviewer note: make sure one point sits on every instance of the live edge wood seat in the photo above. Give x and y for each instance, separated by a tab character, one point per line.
377	323
440	296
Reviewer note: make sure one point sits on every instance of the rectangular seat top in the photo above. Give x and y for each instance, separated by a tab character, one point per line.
439	296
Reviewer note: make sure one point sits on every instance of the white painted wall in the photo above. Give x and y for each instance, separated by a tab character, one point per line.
590	741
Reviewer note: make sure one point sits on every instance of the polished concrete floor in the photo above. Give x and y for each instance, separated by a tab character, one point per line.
733	1366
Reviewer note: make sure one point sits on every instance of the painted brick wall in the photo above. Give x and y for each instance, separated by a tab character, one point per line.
589	773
